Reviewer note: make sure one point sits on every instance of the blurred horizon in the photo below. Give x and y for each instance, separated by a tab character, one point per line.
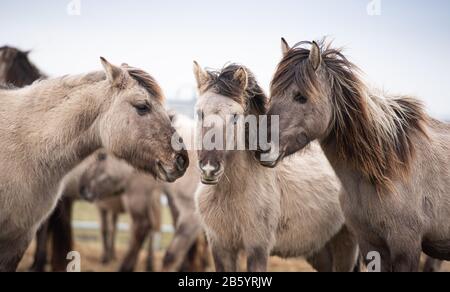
401	49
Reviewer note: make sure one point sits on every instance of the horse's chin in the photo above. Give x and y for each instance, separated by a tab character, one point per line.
166	176
210	181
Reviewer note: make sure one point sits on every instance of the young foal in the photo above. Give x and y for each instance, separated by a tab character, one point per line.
46	129
391	157
246	207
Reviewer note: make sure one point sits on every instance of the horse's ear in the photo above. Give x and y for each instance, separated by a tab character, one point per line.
315	56
285	48
114	74
172	115
241	76
200	75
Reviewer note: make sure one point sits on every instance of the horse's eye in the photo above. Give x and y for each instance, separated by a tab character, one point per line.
142	109
300	99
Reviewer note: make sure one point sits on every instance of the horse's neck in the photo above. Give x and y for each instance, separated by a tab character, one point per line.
60	127
351	178
239	170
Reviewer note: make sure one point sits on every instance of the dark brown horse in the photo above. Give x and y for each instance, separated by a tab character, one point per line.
17	70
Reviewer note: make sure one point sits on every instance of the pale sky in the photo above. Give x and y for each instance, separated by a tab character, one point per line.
403	50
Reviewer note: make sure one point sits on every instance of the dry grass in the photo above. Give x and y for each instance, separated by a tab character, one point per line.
88	244
91	254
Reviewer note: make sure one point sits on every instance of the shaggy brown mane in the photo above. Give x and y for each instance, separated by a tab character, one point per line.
146	81
223	82
19	70
373	134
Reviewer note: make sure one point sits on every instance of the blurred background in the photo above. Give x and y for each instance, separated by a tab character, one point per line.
401	45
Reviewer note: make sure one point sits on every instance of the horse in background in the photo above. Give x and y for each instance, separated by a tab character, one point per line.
189	250
16	68
116	188
108	183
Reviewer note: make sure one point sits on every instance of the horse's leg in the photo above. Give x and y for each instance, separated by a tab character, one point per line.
197	259
140	229
407	260
345	251
40	255
432	265
62	237
399	254
203	254
225	258
405	250
367	247
104	229
150	264
112	236
322	261
186	234
257	259
12	251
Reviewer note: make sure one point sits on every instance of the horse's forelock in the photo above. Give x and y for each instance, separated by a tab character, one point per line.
223	82
146	81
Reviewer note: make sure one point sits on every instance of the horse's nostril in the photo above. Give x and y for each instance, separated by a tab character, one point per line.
83	190
210	169
181	162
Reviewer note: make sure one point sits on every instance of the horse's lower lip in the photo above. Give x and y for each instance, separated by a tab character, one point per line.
210	181
164	175
161	172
